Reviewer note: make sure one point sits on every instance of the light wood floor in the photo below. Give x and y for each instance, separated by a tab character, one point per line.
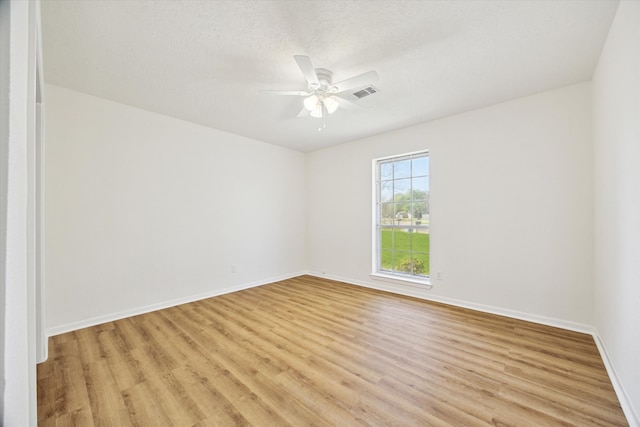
313	352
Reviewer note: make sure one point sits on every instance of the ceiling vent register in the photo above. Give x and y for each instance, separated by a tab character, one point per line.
365	92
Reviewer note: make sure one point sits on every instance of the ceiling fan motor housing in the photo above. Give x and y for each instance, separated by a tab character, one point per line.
325	77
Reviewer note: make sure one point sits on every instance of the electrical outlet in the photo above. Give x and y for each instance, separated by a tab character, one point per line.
439	275
234	269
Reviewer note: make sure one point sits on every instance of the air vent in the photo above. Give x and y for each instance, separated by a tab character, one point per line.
370	90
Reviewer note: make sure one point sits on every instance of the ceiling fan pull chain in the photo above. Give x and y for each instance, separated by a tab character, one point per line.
324	117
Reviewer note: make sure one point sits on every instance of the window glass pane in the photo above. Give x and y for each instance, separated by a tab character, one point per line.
402	262
386	213
386	171
402	239
421	222
421	264
402	196
401	186
420	241
420	166
419	210
386	191
386	260
402	213
402	169
420	187
386	239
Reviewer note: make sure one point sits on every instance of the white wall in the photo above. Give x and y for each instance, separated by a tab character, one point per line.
616	94
143	210
511	200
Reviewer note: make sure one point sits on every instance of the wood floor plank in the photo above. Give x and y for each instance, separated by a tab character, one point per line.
213	402
106	404
314	352
76	418
144	408
70	392
124	368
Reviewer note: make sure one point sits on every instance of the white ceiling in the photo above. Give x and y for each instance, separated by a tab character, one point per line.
205	61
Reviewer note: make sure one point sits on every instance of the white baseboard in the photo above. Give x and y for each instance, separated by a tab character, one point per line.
85	323
417	292
632	417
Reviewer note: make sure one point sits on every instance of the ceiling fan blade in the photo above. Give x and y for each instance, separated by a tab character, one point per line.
354	82
345	103
306	66
285	92
303	113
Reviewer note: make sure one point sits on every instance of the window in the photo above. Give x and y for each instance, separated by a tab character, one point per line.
402	216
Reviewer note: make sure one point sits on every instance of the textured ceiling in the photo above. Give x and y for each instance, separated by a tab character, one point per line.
205	61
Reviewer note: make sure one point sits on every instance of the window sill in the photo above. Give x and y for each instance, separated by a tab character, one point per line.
400	280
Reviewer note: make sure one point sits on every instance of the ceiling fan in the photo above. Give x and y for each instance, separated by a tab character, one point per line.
322	96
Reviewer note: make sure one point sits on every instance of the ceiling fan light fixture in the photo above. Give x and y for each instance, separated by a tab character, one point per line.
311	102
317	111
331	104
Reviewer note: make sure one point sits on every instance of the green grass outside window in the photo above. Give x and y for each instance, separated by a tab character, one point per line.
397	248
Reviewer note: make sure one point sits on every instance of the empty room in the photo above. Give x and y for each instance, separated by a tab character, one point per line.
320	213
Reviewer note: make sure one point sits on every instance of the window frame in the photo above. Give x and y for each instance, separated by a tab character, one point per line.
377	272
